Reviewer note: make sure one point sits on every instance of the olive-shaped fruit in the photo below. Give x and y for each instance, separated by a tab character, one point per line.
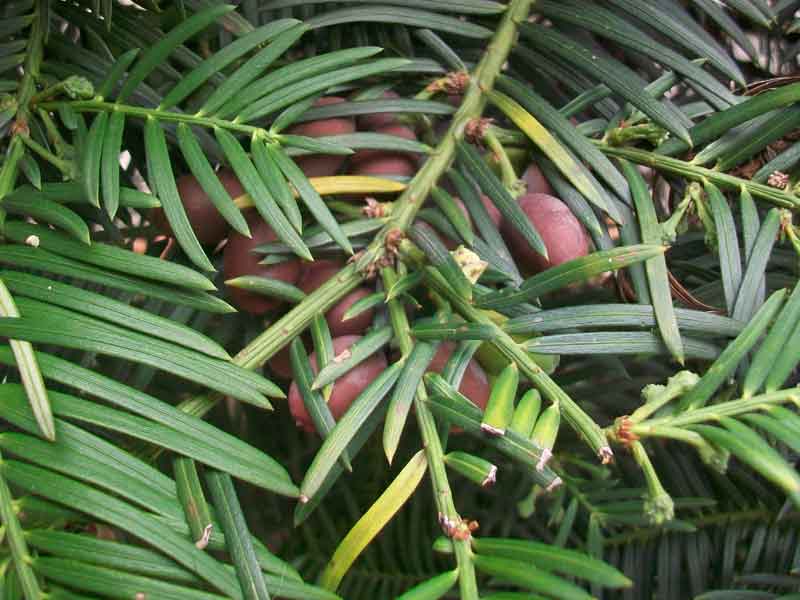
323	127
239	260
562	234
375	121
379	163
323	165
535	181
369	154
345	389
318	272
387	164
319	165
474	383
207	224
281	364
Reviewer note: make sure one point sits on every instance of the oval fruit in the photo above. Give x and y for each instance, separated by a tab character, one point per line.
535	181
319	165
345	389
322	165
562	234
281	364
207	224
378	163
389	164
323	127
239	260
318	272
377	120
370	154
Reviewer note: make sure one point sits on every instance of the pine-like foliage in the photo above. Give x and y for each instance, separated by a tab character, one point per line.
641	434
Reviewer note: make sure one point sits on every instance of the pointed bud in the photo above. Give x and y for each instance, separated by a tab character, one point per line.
546	429
525	413
500	408
474	468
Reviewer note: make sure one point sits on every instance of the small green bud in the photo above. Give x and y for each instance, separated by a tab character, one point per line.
659	508
474	468
78	88
526	412
546	429
8	103
500	408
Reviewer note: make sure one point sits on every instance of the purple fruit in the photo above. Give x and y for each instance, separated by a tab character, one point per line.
323	127
358	324
347	387
318	272
281	364
323	165
535	181
378	120
390	164
207	224
239	260
319	165
378	163
562	234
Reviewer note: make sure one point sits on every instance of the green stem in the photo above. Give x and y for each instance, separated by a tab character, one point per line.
791	233
15	539
711	455
50	92
65	166
9	170
160	115
509	137
296	320
54	135
507	174
443	496
689	171
658	396
717	411
659	506
472	107
33	60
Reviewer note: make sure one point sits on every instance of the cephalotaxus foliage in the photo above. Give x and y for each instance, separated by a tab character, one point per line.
424	299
